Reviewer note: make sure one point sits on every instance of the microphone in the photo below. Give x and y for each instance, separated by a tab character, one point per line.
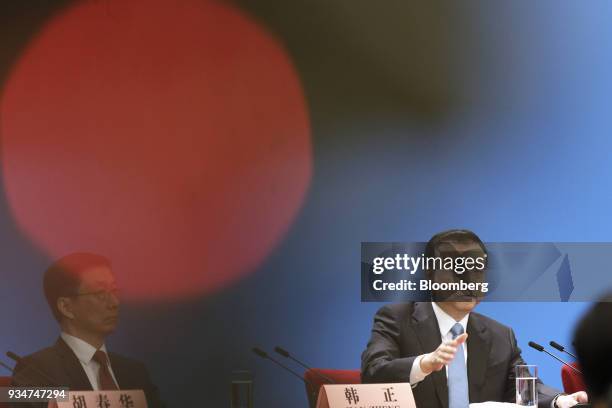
541	348
18	359
265	355
13	356
6	366
561	349
286	354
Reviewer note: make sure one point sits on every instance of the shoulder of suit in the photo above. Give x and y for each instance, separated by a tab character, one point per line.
47	360
397	309
43	355
125	361
401	310
491	323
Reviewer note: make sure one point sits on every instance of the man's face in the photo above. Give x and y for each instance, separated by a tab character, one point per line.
465	306
96	308
460	301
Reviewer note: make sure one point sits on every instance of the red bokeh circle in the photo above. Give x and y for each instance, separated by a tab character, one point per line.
172	137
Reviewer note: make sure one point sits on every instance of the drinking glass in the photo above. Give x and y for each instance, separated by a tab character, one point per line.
526	393
242	389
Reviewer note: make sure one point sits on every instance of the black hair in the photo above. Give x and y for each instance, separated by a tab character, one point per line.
453	235
63	277
592	340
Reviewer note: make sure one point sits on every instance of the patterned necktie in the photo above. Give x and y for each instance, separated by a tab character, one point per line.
458	394
106	379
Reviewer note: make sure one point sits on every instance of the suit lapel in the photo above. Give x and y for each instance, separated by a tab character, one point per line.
428	333
117	370
478	346
72	367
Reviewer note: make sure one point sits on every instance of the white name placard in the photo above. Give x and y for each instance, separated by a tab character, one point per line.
103	399
395	395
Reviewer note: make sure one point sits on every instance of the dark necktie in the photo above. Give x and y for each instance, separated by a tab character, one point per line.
106	379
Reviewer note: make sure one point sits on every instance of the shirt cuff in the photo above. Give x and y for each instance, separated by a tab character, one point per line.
416	373
553	404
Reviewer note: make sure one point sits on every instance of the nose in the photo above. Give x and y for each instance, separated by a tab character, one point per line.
113	300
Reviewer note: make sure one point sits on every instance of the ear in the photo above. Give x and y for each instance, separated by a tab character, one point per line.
64	305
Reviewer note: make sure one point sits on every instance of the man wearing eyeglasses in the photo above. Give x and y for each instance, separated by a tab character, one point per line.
82	293
451	355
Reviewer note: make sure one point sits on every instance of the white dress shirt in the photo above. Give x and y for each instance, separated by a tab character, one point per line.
85	352
445	323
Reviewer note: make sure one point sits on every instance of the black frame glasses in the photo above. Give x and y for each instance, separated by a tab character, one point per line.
102	295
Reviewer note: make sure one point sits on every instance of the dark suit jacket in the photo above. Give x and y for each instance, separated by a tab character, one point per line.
402	332
59	366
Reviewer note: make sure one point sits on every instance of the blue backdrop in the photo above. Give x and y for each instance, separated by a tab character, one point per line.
521	153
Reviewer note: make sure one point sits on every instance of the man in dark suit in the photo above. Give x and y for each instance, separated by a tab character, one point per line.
82	294
592	340
424	343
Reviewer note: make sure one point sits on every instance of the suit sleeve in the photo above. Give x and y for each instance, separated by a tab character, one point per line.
546	394
25	375
151	391
381	362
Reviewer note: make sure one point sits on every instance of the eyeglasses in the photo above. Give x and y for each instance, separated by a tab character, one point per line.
103	295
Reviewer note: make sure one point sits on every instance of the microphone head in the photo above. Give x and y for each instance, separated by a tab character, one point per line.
13	356
536	346
259	352
281	351
557	346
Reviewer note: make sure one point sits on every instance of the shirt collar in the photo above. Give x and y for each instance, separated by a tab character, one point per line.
446	322
83	350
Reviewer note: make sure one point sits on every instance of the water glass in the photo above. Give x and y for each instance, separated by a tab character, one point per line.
242	389
526	392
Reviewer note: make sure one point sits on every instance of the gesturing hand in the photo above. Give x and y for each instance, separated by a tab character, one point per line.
567	401
443	355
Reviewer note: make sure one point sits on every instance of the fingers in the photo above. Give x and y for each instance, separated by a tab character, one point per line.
441	358
457	341
453	344
568	401
565	401
432	362
571	403
445	354
447	348
581	397
460	339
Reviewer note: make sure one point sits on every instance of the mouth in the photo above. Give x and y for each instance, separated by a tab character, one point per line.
463	297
